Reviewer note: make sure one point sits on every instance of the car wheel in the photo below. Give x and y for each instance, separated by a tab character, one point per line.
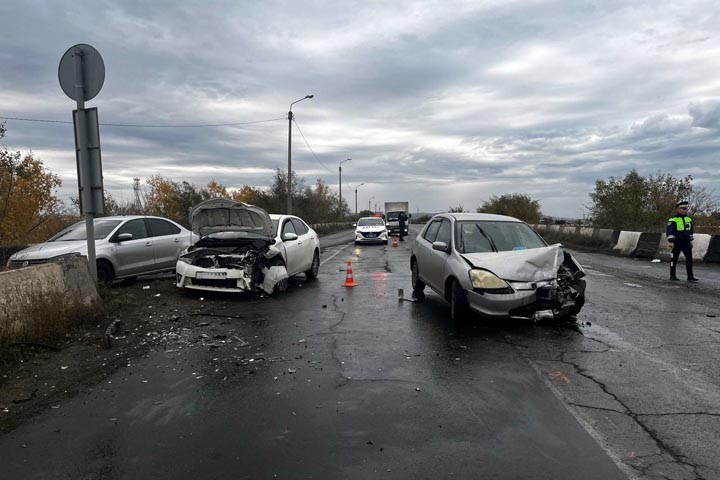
314	268
417	284
458	302
105	273
281	286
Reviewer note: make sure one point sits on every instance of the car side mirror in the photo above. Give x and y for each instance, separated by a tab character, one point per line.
441	246
124	237
289	237
354	224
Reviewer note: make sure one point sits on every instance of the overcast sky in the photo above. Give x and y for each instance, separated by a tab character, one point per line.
439	103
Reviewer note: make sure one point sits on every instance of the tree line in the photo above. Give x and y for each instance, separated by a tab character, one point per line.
31	212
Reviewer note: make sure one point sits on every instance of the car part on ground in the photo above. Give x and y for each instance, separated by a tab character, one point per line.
496	266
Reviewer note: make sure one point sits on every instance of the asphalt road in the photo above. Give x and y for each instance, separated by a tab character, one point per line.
343	383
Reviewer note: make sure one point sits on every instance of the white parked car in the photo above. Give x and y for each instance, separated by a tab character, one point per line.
125	246
243	249
371	230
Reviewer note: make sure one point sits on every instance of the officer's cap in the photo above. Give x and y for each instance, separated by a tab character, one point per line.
682	203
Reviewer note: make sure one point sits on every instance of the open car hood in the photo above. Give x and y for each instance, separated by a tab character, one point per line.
224	215
531	265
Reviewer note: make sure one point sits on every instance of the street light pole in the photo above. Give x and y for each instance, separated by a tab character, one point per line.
370	204
289	175
340	179
356	189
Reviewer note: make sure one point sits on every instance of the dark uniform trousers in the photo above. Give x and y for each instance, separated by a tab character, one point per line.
683	245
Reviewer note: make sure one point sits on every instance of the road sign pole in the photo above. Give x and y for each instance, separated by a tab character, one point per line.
84	164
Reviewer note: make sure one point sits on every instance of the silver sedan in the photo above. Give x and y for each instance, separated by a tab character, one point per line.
496	266
126	246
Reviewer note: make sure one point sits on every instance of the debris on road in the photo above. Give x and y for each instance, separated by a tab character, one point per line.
146	287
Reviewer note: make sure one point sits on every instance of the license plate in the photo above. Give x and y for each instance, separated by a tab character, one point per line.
371	235
211	275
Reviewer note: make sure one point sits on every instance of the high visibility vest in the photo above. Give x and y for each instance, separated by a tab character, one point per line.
682	223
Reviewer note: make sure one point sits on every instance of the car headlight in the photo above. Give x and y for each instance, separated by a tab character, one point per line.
185	259
487	280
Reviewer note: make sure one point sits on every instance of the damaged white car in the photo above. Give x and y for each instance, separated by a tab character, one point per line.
243	249
496	266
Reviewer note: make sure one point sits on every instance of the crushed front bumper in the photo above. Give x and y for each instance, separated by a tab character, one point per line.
227	279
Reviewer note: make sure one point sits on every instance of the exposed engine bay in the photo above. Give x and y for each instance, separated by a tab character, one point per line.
233	261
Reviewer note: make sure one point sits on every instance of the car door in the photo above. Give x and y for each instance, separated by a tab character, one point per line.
166	241
435	263
423	252
307	246
134	256
293	252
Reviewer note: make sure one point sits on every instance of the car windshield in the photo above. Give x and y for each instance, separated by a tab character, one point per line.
392	216
103	228
370	222
491	236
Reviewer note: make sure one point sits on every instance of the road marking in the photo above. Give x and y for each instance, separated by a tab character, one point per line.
334	255
635	285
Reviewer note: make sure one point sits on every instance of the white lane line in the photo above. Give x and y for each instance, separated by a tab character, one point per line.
323	262
635	285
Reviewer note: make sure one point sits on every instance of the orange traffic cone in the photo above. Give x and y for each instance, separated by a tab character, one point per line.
349	281
395	241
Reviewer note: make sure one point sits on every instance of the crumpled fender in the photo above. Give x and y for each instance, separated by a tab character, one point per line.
272	252
531	265
273	275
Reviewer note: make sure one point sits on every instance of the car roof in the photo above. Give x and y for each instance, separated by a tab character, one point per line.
370	218
130	217
482	217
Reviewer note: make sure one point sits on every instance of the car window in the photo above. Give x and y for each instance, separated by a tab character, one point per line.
432	231
489	236
77	231
159	228
136	227
288	228
445	232
300	226
370	222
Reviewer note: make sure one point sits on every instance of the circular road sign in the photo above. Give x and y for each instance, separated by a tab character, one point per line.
93	69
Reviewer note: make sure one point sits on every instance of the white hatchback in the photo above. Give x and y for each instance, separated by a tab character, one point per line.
371	230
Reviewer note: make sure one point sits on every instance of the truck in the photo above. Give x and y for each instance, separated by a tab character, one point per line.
392	212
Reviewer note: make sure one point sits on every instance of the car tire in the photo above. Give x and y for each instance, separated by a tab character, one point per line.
418	285
105	273
314	268
281	286
459	308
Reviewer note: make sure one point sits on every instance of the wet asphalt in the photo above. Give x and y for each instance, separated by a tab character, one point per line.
344	383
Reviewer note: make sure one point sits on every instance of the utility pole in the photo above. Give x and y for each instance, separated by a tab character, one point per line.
340	181
136	189
289	174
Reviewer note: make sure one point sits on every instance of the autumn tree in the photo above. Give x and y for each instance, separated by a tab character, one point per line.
516	205
640	203
27	197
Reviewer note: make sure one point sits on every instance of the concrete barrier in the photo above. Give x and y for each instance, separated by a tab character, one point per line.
627	242
38	293
607	236
713	251
553	228
586	232
700	246
647	246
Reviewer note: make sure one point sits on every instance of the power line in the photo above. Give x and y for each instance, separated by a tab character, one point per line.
140	125
309	147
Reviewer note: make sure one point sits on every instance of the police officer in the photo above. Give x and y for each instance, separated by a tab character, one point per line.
402	219
680	236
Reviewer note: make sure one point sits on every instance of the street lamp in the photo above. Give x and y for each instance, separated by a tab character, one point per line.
356	209
289	176
340	179
370	204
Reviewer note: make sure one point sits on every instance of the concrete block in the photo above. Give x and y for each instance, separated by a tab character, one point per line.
713	251
627	242
585	232
50	288
701	248
647	245
607	236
